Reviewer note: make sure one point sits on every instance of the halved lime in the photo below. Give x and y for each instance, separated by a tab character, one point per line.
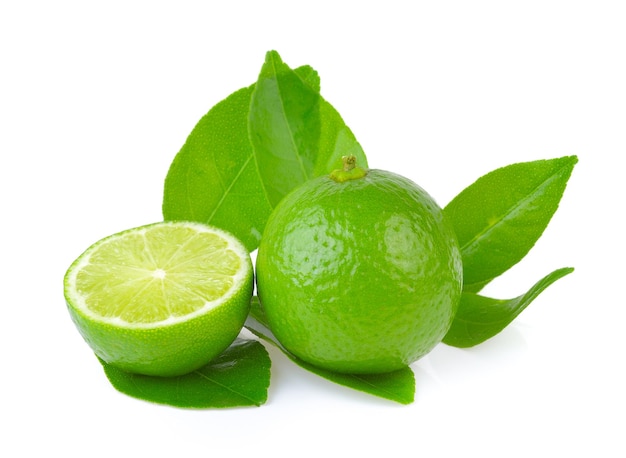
162	299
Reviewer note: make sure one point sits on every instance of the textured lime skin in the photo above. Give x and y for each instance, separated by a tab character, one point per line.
168	350
363	276
165	349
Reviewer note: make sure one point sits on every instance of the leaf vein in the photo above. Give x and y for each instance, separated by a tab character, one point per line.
291	134
470	245
227	388
227	189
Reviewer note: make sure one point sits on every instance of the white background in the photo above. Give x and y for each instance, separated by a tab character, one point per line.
97	98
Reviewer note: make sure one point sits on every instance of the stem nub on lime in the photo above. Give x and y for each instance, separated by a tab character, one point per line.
350	170
359	272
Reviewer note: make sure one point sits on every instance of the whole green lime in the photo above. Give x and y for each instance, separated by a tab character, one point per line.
359	271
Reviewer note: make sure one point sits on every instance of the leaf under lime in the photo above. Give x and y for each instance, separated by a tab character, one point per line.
238	377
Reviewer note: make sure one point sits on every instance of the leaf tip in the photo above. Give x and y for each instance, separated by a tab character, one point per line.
272	55
562	272
571	160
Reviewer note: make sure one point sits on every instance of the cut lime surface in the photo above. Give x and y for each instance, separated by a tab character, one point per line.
162	299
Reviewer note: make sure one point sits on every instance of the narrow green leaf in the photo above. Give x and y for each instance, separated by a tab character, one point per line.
284	126
214	178
398	386
479	318
238	377
499	218
296	135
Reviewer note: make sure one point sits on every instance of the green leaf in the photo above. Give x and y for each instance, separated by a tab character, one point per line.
479	318
238	377
310	76
499	218
214	177
398	386
296	135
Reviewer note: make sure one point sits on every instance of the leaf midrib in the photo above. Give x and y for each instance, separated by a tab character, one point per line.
284	114
227	388
488	229
228	189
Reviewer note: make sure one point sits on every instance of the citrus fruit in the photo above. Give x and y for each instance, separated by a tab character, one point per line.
162	299
359	271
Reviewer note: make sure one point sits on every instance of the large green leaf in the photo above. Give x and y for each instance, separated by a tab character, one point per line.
398	386
479	318
499	218
238	377
296	135
284	127
213	179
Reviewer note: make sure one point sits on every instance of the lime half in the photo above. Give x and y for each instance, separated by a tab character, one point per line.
162	299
